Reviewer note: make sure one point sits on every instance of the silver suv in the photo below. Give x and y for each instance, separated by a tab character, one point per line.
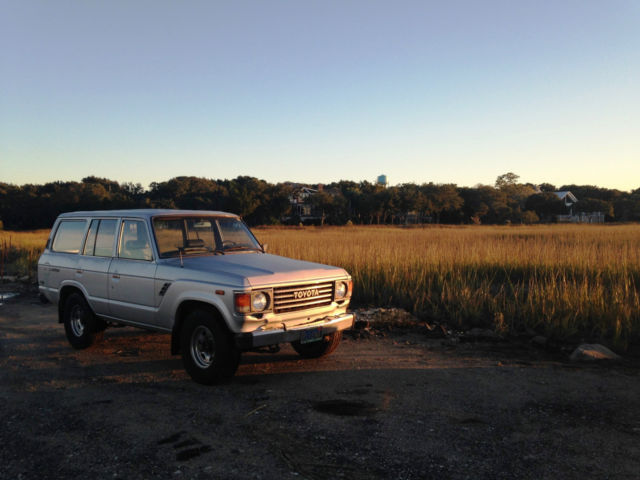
199	275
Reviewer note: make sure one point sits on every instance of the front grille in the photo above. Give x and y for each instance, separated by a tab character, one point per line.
302	297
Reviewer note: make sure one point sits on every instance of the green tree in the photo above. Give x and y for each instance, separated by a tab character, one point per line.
441	199
591	205
546	205
506	180
246	194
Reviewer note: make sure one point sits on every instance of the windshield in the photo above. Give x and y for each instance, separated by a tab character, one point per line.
202	235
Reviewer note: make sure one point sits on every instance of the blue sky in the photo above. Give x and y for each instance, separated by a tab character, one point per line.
448	92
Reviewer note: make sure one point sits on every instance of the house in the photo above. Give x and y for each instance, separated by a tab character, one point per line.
570	200
302	208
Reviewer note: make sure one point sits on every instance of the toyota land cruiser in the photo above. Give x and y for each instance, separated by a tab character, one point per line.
200	276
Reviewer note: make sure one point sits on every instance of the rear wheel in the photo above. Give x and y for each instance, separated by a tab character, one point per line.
321	348
82	327
208	353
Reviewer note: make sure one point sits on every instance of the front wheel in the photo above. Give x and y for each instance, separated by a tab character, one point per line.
321	348
208	353
82	327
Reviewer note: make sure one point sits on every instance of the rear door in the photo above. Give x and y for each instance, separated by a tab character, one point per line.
132	294
93	268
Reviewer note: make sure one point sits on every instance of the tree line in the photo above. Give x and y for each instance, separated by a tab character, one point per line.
262	203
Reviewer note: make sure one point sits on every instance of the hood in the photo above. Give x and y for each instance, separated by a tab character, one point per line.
260	269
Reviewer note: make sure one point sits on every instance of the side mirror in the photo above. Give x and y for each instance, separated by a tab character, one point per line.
265	247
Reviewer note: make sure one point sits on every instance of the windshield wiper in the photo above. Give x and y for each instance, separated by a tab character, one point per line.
241	247
187	251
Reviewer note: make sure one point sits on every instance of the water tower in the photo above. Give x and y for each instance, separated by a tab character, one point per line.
382	180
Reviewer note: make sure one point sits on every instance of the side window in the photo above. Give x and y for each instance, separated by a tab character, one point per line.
134	241
69	236
90	244
105	237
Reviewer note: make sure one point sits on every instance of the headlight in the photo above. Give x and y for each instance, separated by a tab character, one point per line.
259	301
341	290
255	302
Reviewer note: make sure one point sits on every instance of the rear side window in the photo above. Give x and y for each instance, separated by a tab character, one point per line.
90	244
100	238
105	238
69	236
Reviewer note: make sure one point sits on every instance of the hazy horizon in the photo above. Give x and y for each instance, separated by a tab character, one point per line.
372	181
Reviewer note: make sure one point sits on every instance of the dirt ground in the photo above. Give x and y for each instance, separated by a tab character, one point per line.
397	406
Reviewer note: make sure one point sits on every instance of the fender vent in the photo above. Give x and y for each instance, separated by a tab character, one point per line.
164	289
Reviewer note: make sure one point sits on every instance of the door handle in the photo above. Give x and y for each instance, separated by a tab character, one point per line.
115	275
78	271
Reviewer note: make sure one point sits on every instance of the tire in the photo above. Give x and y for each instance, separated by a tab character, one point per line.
208	353
320	348
80	324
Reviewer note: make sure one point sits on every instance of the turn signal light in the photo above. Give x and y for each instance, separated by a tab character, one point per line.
242	302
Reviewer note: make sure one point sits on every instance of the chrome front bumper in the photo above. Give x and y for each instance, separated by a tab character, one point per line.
284	334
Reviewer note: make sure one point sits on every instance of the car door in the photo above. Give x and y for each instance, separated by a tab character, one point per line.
93	268
132	275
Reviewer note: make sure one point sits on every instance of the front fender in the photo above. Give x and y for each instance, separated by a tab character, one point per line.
203	297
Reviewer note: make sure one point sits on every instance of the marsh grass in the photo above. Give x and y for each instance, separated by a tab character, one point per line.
19	252
565	281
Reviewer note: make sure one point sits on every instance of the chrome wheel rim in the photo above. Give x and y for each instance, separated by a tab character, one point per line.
203	346
76	321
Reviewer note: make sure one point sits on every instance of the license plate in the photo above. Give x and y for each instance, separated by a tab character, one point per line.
311	335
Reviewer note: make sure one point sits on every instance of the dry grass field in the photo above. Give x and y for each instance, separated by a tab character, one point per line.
561	280
565	281
19	252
